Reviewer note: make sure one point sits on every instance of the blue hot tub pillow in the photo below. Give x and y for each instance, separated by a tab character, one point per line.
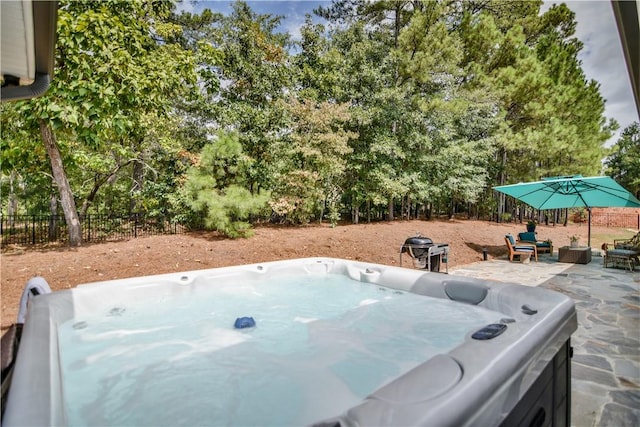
244	322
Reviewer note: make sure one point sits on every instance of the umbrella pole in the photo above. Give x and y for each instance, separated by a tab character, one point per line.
589	228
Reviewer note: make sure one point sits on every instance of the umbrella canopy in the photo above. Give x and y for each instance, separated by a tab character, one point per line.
572	192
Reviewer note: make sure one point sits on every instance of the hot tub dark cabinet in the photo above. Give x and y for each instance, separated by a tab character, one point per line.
548	400
513	369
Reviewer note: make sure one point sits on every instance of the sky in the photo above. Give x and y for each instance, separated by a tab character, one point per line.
602	57
603	60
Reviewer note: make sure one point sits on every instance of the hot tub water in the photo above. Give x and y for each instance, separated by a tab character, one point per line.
322	339
395	347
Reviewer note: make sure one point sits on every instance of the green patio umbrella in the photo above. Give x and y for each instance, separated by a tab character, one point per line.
572	192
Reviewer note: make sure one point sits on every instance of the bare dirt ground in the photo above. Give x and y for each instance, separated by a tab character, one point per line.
65	267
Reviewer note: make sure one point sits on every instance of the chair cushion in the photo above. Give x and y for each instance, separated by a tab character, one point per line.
527	236
543	244
621	253
511	239
523	248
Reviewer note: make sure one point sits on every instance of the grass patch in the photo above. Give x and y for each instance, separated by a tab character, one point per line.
612	234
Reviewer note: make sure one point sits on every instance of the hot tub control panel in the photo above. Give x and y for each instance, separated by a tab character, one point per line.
489	331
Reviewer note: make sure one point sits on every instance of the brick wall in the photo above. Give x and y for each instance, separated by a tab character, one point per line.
616	217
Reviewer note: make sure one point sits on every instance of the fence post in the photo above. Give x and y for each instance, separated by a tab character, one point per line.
33	229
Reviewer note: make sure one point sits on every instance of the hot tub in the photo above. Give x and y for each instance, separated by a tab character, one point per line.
335	343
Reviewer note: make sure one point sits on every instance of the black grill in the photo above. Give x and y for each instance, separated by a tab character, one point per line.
425	253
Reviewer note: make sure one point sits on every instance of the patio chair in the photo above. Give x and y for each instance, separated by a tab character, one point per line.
530	237
625	252
631	244
520	249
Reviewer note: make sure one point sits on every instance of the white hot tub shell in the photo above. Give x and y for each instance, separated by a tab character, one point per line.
520	376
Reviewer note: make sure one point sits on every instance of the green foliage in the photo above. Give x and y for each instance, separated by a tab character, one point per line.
317	65
623	164
116	78
215	188
366	78
255	69
390	103
310	172
109	68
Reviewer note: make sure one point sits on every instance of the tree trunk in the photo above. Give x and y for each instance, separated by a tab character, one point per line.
323	207
403	207
136	184
12	209
53	217
501	181
390	218
520	214
97	184
66	196
452	208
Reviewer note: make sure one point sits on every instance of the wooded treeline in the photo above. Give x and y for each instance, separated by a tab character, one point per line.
388	109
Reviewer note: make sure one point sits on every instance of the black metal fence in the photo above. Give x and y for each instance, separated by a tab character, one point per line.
40	229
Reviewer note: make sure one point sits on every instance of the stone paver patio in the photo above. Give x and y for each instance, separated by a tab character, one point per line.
605	388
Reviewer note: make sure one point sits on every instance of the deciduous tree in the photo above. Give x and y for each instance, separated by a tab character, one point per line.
312	161
623	164
110	68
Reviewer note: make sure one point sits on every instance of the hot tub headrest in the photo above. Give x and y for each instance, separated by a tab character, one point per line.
35	286
469	292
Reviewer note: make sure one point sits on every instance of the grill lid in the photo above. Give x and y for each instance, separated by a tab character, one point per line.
419	241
